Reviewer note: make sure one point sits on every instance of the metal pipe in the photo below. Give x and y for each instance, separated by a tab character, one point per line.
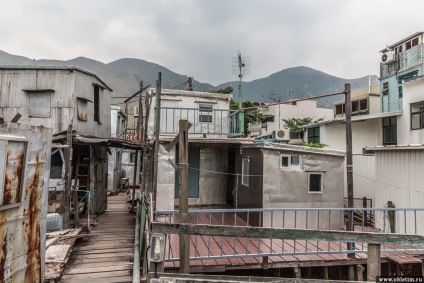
136	259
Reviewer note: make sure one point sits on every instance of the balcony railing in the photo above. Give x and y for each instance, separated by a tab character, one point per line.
407	59
204	121
381	220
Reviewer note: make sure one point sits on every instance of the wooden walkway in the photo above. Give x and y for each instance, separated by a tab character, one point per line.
217	246
106	254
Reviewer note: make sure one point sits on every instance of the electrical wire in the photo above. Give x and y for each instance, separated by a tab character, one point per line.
387	184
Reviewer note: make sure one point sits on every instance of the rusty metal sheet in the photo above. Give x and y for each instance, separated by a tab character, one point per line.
23	213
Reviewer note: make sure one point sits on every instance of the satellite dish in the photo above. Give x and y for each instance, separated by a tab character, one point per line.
384	57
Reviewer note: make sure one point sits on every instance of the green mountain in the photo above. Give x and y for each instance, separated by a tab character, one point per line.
124	76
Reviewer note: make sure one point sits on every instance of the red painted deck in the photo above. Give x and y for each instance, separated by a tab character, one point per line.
226	246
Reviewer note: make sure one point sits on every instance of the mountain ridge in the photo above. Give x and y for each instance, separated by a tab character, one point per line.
124	75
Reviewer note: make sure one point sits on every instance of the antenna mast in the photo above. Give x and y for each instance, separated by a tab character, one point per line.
240	68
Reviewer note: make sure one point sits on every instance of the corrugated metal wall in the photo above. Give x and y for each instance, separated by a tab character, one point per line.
23	225
400	179
363	176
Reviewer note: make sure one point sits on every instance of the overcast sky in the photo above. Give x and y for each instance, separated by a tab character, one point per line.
200	38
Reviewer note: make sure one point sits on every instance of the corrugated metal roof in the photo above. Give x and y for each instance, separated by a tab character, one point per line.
396	147
69	68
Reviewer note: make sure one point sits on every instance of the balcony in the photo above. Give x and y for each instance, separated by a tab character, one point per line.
220	122
405	60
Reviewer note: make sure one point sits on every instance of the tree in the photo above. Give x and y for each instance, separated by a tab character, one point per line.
250	116
226	90
297	124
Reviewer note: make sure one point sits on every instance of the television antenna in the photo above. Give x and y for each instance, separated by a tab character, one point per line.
241	67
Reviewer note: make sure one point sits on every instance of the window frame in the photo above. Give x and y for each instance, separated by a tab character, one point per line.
96	103
312	138
245	176
132	158
290	165
321	182
205	112
420	113
23	172
390	127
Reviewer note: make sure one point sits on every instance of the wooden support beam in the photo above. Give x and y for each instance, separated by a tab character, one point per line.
325	272
288	234
359	273
297	272
351	273
373	262
183	195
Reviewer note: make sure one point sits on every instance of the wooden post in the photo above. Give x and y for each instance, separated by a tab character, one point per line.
349	163
373	262
134	181
364	205
126	121
359	273
157	134
297	272
140	114
325	271
76	208
146	164
183	197
351	273
391	215
68	178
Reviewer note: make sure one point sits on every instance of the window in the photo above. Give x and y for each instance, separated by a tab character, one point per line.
12	163
315	182
417	111
313	135
408	45
389	130
132	157
385	88
291	162
39	104
97	103
415	42
400	49
245	171
118	157
296	135
339	109
363	104
355	106
82	108
205	113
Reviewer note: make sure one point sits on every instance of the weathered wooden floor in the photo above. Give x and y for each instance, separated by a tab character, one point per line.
106	255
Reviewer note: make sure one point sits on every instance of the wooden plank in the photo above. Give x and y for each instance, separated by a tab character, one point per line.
83	260
101	255
402	258
283	233
98	269
70	279
88	277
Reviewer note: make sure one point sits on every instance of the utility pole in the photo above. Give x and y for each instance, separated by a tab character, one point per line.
349	171
140	114
190	83
157	134
183	195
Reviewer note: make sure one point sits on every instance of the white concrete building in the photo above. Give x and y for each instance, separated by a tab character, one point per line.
273	125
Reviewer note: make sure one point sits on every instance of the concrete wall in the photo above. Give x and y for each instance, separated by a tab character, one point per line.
289	189
212	186
191	99
413	92
364	133
302	109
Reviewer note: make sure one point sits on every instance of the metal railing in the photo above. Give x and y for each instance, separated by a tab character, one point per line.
406	59
386	220
204	121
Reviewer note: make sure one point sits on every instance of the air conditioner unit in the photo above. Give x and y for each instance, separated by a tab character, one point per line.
281	134
135	111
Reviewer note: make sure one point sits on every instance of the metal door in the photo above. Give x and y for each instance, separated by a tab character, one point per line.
193	173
